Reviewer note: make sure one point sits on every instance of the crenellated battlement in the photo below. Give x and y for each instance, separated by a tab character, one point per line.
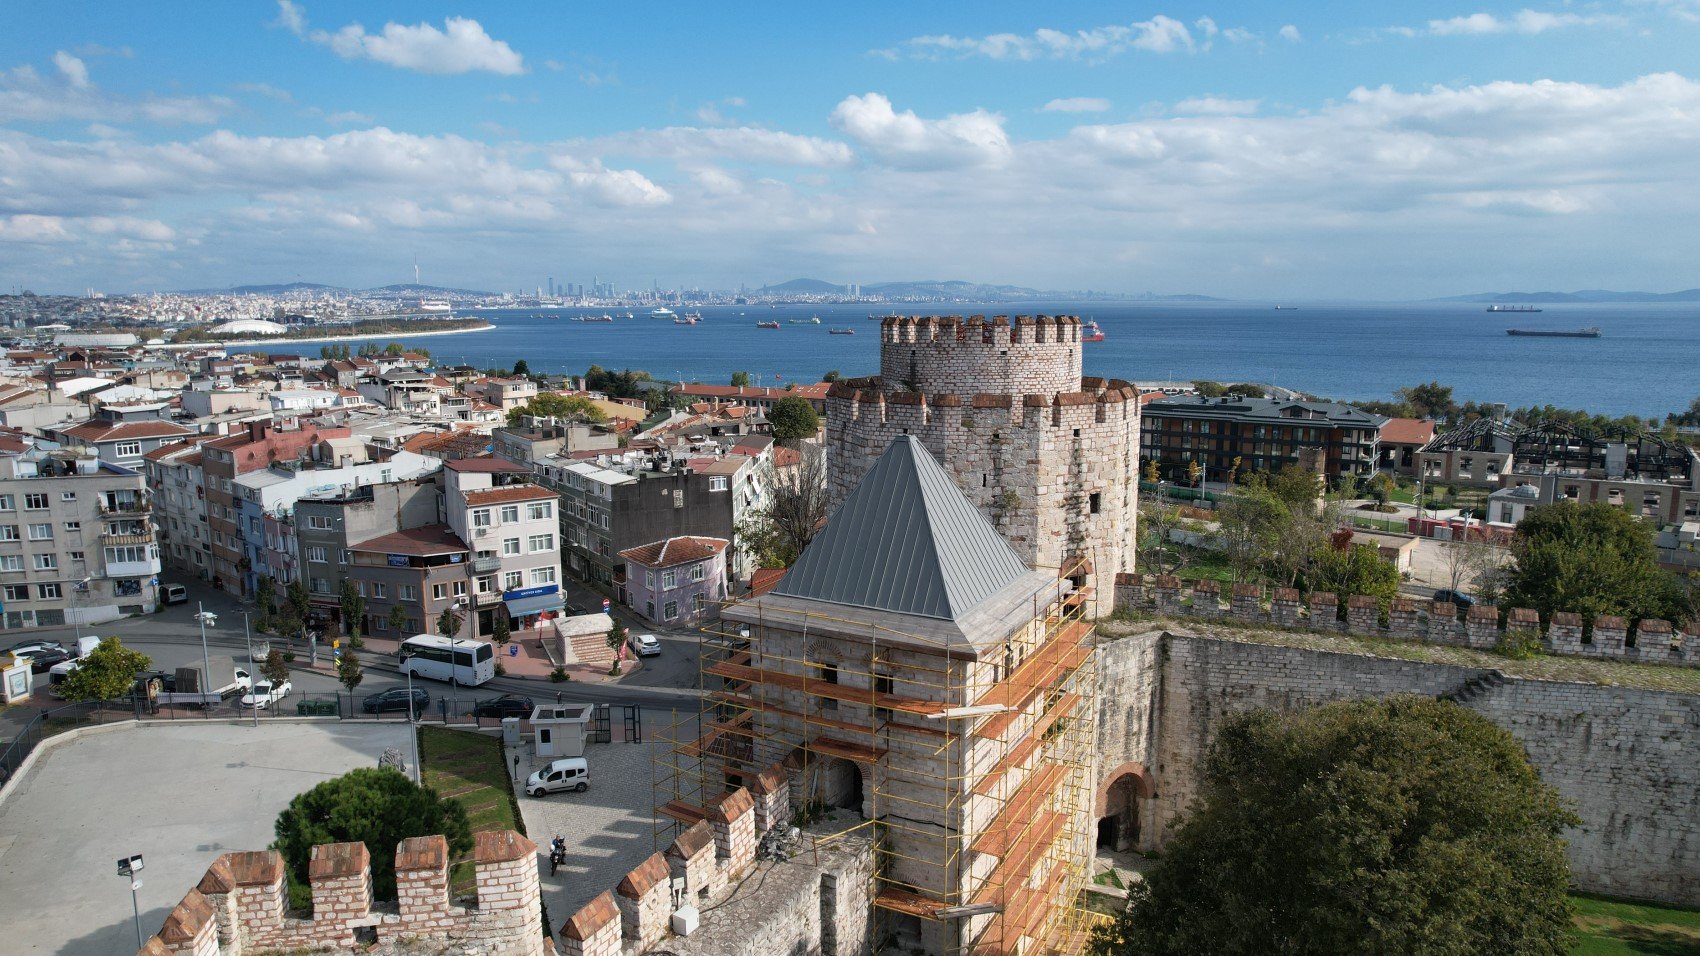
999	330
943	353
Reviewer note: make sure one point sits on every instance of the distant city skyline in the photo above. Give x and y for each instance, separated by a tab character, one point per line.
1326	151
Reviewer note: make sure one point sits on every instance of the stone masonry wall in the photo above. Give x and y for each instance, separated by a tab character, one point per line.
1623	756
941	353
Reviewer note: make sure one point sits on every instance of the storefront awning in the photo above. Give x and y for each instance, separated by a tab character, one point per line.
519	607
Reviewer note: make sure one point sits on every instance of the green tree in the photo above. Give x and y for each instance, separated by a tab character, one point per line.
1381	488
554	405
833	376
1433	400
398	619
265	595
501	629
107	673
1353	569
1209	389
741	379
1153	472
1593	559
274	668
1195	473
522	369
348	672
449	622
353	611
1248	527
792	419
299	601
777	533
377	806
394	348
1297	488
1398	826
1248	389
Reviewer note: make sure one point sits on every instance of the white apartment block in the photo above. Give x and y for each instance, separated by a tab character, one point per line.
513	529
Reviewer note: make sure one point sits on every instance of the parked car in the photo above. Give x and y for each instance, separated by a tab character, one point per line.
265	693
43	659
567	773
644	645
507	705
1456	597
176	594
396	698
28	648
573	610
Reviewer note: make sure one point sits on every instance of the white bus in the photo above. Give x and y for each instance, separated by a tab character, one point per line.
464	662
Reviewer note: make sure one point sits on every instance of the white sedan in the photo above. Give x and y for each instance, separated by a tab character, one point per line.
264	694
645	645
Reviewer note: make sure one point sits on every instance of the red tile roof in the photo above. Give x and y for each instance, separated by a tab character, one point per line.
99	431
1408	431
419	542
674	551
815	391
764	580
485	466
496	496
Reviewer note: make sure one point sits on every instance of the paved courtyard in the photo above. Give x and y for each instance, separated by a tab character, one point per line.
180	794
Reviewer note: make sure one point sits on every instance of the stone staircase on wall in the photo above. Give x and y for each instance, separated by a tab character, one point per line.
1475	687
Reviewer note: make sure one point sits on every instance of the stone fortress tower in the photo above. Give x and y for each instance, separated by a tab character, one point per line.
1049	457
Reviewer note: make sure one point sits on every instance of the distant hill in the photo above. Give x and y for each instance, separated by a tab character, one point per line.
1582	295
411	288
1180	297
949	289
805	287
269	289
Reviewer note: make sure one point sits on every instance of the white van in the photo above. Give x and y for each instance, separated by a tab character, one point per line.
568	773
176	594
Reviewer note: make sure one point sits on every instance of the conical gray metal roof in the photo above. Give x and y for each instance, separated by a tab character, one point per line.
908	541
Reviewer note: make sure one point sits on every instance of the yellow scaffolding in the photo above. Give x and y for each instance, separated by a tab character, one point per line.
975	772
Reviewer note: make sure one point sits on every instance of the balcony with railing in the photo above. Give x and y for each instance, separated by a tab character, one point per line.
113	503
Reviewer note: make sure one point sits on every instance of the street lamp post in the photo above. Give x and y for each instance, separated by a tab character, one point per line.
131	866
248	635
81	587
205	618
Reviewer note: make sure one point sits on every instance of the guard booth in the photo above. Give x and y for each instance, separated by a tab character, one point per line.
558	730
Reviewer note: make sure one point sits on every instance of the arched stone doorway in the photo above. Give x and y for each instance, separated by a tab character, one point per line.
1122	795
835	782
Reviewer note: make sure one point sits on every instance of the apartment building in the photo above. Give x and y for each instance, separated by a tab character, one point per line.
513	528
256	448
123	442
424	570
178	484
76	542
1265	434
677	582
328	523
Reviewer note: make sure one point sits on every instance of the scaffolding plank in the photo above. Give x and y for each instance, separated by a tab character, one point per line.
833	747
686	813
816	687
996	839
1027	913
740	700
902	901
1020	752
1013	871
1070	659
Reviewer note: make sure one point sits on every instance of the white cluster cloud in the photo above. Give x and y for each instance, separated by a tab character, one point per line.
28	96
1524	21
908	141
1160	34
1077	104
1223	194
461	46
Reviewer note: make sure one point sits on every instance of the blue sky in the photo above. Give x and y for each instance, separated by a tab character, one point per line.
1284	150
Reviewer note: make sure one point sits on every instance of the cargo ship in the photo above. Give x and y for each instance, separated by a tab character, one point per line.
1513	308
1591	332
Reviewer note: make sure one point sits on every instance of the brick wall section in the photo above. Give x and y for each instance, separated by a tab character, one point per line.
772	795
1246	603
732	817
1206	598
593	930
1655	641
1481	627
1443	626
1565	635
644	897
1324	610
1610	636
1167	592
1363	613
1403	620
1622	756
691	857
238	906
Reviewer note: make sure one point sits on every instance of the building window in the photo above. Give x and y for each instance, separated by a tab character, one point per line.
438	592
319	522
717	483
696	571
76	556
699	601
649	579
17	592
542	542
408	592
669	579
486	584
8	532
1095	502
41	532
318	554
35	502
48	592
670	610
380	589
458	589
543	575
11	562
321	586
73	526
47	562
513	580
539	510
127	449
510	513
481	518
510	546
8	503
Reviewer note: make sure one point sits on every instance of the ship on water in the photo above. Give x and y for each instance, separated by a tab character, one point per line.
1513	308
661	313
1592	332
435	306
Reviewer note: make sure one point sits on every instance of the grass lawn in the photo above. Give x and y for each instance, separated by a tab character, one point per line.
469	767
1606	927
